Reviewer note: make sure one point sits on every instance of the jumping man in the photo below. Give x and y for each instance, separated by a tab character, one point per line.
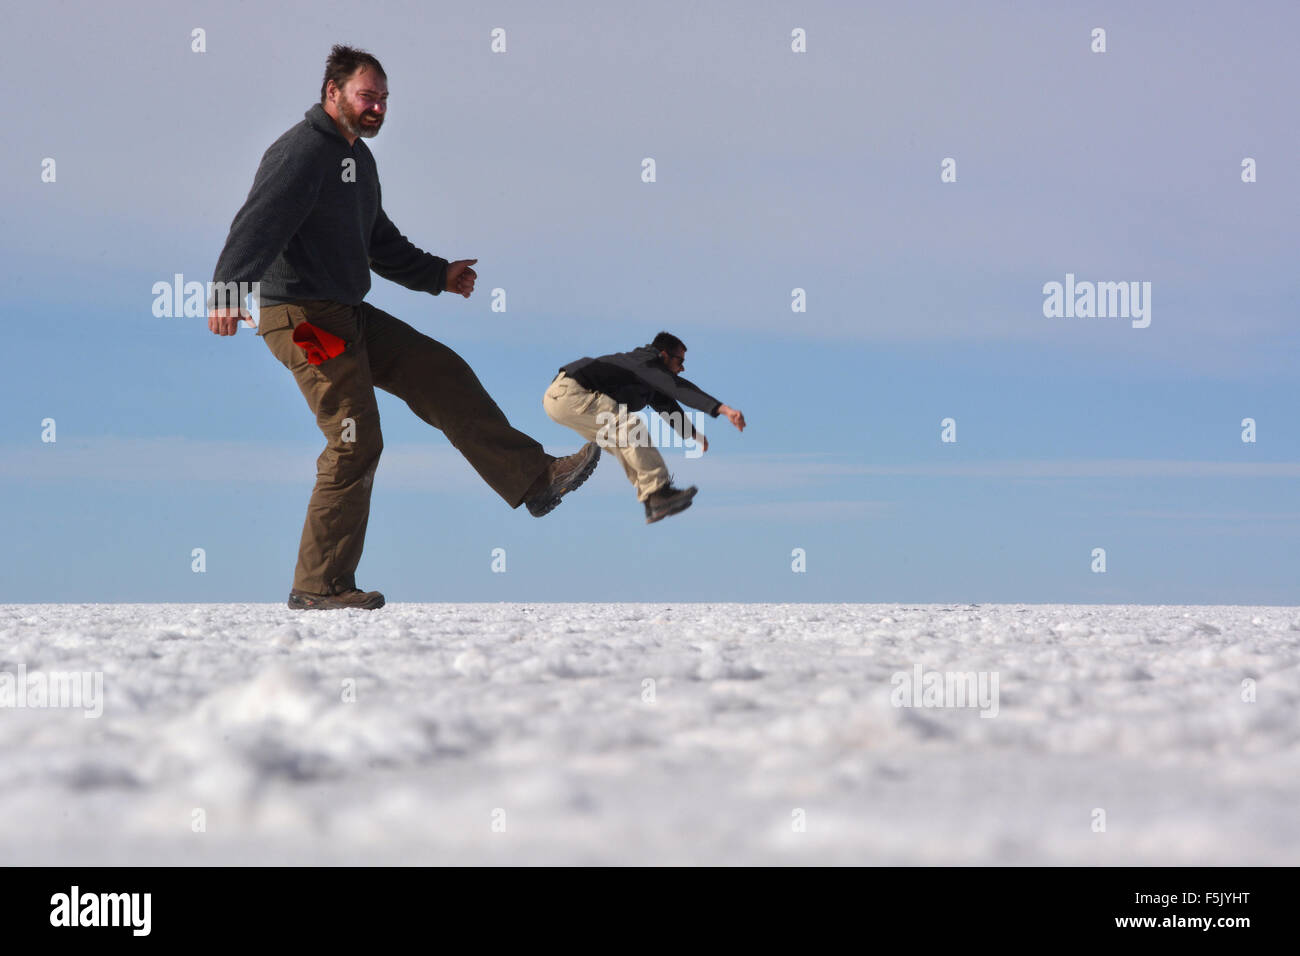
595	397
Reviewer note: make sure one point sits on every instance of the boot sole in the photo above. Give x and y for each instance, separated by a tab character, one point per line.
538	509
297	604
676	510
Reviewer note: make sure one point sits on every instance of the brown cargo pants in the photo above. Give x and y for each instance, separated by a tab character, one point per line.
436	383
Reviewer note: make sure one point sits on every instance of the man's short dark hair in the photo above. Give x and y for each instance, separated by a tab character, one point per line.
667	342
343	62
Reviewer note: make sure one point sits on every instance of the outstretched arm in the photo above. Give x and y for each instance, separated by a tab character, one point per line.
672	413
396	258
675	387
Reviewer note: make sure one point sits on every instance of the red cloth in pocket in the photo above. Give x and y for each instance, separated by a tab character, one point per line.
317	343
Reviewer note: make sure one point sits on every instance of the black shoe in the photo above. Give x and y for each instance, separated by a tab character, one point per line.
355	598
668	501
561	477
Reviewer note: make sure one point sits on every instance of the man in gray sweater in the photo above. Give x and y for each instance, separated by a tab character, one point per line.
310	232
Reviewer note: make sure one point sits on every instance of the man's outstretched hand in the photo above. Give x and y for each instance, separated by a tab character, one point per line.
460	277
226	321
733	415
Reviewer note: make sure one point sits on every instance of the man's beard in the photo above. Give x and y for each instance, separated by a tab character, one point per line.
355	126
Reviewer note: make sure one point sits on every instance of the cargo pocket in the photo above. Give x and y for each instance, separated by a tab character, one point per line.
272	318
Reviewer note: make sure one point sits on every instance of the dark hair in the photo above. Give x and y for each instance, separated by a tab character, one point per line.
343	61
667	342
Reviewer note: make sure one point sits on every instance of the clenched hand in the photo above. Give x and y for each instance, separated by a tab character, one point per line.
226	321
460	277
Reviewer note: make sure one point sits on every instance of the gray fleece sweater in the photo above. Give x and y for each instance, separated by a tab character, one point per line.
313	225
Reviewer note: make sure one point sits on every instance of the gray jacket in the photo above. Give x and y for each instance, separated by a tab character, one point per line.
313	225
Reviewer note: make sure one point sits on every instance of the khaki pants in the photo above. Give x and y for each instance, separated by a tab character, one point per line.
597	417
435	383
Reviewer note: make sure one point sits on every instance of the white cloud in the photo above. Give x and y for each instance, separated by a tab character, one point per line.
801	511
806	470
440	468
171	459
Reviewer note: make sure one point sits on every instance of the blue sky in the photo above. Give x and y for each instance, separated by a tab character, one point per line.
775	170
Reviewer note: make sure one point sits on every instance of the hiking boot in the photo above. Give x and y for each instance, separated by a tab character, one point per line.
562	475
668	501
354	597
